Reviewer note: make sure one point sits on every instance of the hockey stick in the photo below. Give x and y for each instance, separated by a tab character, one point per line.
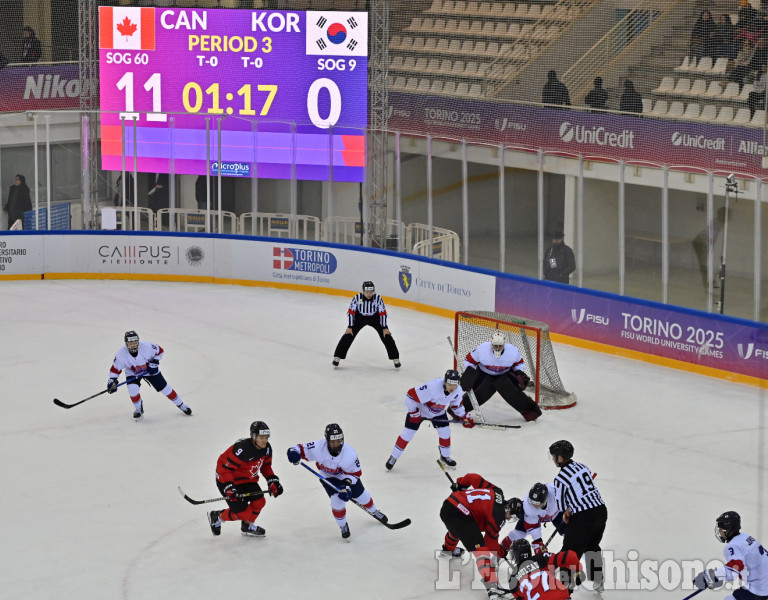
489	425
399	525
447	474
196	502
58	402
694	593
470	392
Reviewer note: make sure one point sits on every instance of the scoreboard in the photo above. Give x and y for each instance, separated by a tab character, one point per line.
287	90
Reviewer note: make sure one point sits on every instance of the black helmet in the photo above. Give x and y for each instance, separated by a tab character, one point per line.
514	506
730	524
452	377
521	551
259	428
538	495
562	448
334	433
368	285
131	339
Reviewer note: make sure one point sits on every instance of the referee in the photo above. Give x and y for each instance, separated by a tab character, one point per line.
367	310
584	511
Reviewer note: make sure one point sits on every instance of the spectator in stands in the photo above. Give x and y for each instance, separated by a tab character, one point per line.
740	67
555	91
702	35
559	261
31	49
118	199
18	202
158	197
747	16
760	57
201	197
756	100
631	100
724	40
597	99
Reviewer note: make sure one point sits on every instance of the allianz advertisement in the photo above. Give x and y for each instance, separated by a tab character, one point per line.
695	337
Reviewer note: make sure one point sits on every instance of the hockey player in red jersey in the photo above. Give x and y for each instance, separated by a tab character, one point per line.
237	476
543	576
473	515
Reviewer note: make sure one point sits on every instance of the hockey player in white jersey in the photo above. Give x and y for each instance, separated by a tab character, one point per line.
497	366
140	360
538	508
339	464
429	402
745	558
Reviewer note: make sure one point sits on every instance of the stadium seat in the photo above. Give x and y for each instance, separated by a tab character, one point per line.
468	47
409	64
482	69
742	117
731	90
418	44
430	45
442	45
501	29
647	105
686	64
492	49
509	10
416	24
534	12
458	68
428	25
746	90
449	87
476	28
446	66
472	8
412	84
451	26
546	11
525	30
399	83
660	109
721	64
439	26
505	50
395	41
407	43
437	7
699	88
682	87
521	12
666	86
396	63
424	85
539	32
455	47
758	120
485	8
704	65
480	48
472	69
497	10
459	7
463	27
714	90
676	109
692	111
475	90
449	6
725	115
708	113
436	87
489	28
434	65
462	88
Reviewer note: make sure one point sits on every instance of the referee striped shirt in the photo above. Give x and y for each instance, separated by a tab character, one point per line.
575	488
367	308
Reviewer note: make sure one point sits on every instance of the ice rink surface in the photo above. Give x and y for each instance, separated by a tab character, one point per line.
90	504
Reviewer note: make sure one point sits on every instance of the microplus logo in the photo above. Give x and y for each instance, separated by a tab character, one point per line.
578	316
697	141
596	135
749	351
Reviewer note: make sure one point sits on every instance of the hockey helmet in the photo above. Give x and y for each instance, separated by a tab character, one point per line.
497	343
562	448
727	526
538	495
132	342
520	551
368	286
259	428
451	377
333	433
514	506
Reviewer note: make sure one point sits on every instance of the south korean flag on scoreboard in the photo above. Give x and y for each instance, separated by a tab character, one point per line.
337	33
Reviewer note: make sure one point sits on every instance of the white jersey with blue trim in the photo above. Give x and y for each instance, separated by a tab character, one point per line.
483	358
135	365
344	466
746	559
431	401
534	517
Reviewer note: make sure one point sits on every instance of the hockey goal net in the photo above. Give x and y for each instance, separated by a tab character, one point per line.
532	340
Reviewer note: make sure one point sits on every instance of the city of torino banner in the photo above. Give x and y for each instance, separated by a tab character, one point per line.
724	343
637	139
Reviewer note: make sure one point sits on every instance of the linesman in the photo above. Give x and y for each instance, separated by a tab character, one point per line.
584	511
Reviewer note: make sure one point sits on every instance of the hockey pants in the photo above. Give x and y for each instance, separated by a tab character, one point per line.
485	385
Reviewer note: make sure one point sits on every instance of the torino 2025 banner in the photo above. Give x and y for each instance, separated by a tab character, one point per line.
286	91
656	141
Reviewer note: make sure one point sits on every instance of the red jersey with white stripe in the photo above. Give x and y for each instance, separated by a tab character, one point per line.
484	359
746	559
485	504
430	399
135	365
537	577
344	466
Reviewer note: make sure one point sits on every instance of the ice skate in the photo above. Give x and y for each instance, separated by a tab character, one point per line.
251	530
345	532
336	361
448	462
390	463
185	409
215	522
138	413
396	362
455	553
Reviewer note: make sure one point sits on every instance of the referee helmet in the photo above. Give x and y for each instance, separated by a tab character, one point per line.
562	448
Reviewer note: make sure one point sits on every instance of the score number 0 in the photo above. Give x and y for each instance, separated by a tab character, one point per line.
153	84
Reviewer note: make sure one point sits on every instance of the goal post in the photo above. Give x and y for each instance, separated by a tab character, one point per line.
531	338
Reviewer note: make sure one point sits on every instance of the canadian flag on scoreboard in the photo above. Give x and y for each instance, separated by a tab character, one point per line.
126	28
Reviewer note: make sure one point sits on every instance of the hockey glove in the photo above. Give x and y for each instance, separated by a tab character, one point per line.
275	489
294	456
112	385
506	544
522	379
230	492
153	368
468	422
538	546
457	487
414	417
344	494
707	579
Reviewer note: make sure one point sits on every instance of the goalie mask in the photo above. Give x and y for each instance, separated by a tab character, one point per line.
727	526
497	343
132	342
335	438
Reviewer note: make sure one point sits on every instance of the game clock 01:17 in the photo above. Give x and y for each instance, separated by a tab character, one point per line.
269	76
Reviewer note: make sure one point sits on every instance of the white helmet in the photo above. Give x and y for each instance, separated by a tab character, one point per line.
497	343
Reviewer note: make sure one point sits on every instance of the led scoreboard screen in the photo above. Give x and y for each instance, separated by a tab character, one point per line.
286	89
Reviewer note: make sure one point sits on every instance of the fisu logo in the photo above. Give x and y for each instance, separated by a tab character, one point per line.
580	315
577	316
745	353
